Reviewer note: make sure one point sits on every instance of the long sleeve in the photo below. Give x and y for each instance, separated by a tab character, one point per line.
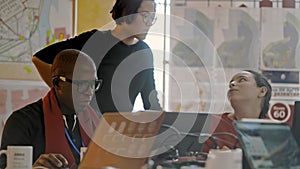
25	127
48	53
149	92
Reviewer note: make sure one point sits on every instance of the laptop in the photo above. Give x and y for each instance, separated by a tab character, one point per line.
296	122
122	140
268	145
180	132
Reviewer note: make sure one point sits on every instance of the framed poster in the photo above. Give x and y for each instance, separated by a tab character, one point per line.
26	27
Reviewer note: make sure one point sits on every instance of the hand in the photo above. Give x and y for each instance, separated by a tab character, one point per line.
225	148
50	161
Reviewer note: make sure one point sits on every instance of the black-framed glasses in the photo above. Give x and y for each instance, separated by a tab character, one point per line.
82	85
149	18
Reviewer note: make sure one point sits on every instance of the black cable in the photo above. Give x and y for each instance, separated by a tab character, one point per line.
179	136
228	134
214	138
204	136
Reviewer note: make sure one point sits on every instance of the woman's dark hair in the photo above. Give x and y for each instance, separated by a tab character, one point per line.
125	7
261	81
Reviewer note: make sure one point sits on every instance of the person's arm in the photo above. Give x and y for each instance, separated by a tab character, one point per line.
149	93
44	58
44	70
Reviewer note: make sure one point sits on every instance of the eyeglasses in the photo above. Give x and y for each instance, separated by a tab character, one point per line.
149	18
82	85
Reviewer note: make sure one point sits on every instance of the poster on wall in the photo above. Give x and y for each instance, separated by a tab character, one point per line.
237	37
207	45
192	55
280	59
27	26
280	39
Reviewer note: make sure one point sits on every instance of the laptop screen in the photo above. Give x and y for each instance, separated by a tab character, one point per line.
268	145
122	140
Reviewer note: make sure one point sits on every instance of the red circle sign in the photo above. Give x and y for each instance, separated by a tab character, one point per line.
280	112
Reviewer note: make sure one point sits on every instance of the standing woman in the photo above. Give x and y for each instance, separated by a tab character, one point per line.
124	61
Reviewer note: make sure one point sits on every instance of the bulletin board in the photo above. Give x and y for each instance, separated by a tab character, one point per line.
28	26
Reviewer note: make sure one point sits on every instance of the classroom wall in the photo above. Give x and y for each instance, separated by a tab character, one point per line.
93	14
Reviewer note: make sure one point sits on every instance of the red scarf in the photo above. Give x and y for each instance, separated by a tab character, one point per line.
56	141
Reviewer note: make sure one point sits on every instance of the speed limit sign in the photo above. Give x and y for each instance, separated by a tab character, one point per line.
280	112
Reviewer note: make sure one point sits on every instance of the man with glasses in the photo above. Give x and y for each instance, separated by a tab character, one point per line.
58	125
124	60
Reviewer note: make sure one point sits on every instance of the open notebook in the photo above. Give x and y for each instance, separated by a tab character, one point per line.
268	145
122	140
